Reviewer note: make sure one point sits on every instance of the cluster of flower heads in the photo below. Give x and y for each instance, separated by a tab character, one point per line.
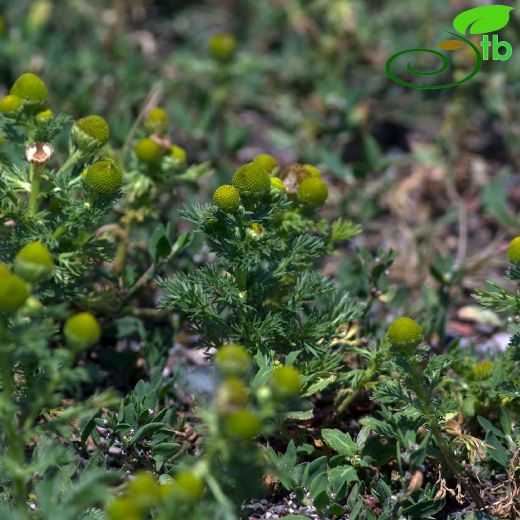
33	264
301	183
27	96
143	493
153	148
233	399
26	105
239	421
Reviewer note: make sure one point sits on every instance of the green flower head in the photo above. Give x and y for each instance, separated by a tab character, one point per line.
148	150
233	360
156	121
232	394
266	161
251	179
286	382
483	369
513	251
404	334
44	115
10	105
187	486
222	46
33	262
312	170
82	330
243	424
178	153
13	292
104	177
227	198
30	89
90	133
313	191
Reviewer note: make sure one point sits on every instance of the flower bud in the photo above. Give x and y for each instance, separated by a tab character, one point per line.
33	262
148	150
82	331
90	133
10	105
243	424
404	334
513	251
227	198
156	121
483	369
123	508
144	490
313	191
251	179
264	394
256	231
44	115
39	14
222	46
104	177
178	153
233	360
187	486
286	382
30	89
312	170
266	161
232	394
13	292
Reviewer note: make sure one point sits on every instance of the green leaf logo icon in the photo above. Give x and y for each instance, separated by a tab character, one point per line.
482	20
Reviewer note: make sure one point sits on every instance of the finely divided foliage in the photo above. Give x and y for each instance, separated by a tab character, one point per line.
163	358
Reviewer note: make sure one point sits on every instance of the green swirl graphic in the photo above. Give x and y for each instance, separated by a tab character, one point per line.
445	65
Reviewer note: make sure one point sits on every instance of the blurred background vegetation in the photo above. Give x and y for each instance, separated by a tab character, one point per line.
430	174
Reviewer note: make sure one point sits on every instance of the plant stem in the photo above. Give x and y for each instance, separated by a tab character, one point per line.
219	495
241	278
58	232
122	250
13	440
37	172
454	466
73	158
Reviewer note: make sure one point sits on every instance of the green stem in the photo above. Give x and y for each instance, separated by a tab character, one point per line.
58	232
449	460
37	171
219	495
122	250
72	159
13	441
241	278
